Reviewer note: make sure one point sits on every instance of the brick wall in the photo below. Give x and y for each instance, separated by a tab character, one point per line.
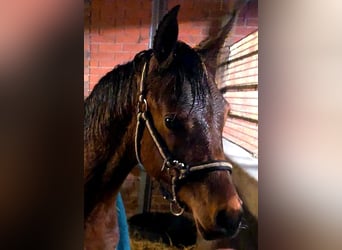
116	30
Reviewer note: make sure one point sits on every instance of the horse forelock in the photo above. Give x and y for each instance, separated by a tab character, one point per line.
183	78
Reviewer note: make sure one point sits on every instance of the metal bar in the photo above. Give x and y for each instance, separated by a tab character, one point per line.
159	8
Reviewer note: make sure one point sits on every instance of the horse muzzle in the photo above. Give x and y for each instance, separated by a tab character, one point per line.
226	225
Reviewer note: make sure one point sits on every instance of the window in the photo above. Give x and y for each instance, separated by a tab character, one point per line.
238	75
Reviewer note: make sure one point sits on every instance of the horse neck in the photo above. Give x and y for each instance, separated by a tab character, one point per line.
109	136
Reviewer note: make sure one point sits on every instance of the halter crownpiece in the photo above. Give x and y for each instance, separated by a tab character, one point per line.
175	169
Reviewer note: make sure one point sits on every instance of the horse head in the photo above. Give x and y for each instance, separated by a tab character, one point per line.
180	141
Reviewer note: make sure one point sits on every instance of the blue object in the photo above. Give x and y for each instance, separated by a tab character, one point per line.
124	243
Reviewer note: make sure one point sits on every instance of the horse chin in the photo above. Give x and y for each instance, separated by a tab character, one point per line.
216	233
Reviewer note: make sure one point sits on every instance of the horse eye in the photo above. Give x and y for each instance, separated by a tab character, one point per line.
171	122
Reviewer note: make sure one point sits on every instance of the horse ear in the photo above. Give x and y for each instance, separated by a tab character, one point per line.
210	47
166	35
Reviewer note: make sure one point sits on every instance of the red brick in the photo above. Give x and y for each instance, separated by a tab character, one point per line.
94	48
128	36
145	20
122	57
108	47
99	71
134	47
108	19
129	5
96	38
144	36
107	63
190	29
109	33
99	56
94	63
134	20
110	5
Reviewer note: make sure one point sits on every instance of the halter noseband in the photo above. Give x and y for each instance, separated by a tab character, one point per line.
177	170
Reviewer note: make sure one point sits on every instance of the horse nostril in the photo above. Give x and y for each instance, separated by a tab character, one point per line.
228	221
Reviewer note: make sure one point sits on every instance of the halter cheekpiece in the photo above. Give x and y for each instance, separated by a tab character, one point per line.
175	169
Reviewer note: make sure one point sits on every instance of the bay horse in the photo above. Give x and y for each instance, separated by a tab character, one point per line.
164	111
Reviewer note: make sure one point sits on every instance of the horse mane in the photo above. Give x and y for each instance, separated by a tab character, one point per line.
113	96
